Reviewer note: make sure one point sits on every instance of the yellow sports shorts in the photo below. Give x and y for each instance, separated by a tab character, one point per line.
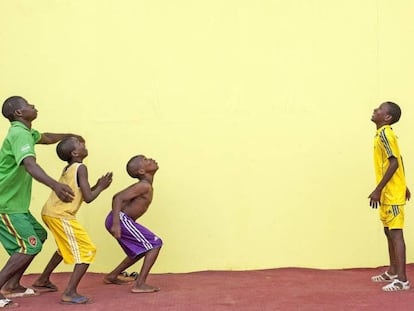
72	240
392	216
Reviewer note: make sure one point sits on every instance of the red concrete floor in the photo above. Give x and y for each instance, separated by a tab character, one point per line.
276	289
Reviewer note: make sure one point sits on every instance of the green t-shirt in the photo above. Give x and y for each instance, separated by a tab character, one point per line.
15	181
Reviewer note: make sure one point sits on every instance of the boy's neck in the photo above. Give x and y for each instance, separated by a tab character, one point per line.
75	161
148	179
379	125
25	122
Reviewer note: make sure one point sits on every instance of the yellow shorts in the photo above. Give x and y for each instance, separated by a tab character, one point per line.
392	216
72	240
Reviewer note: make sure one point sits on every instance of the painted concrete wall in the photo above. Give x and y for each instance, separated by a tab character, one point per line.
258	113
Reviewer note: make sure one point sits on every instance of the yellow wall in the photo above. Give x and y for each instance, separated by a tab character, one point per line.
258	113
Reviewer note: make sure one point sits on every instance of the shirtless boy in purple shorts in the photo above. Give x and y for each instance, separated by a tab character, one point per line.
136	240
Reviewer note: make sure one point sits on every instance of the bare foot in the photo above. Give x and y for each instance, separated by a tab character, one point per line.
46	286
145	289
16	289
115	281
7	303
74	300
20	292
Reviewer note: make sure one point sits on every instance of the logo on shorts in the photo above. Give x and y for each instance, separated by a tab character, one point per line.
32	240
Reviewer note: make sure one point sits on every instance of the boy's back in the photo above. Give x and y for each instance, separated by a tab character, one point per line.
54	207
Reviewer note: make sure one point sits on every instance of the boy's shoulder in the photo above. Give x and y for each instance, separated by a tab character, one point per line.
386	129
142	184
139	186
75	165
132	186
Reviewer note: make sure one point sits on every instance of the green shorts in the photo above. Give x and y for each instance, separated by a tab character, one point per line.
21	233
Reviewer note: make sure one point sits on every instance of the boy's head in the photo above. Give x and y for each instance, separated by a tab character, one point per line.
138	166
387	113
71	148
16	107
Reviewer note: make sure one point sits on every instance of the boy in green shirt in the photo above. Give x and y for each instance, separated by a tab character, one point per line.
20	233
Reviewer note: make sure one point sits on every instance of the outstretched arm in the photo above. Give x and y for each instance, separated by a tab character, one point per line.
64	192
52	138
375	196
90	194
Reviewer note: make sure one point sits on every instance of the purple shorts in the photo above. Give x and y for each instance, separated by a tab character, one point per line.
135	239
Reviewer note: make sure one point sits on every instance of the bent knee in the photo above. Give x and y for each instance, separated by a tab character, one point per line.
34	246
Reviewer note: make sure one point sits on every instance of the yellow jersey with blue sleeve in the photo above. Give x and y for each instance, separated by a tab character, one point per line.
54	207
385	147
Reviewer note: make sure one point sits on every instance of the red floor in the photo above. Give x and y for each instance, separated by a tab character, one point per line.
276	289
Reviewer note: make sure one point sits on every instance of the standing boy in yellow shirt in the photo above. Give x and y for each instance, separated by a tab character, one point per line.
390	194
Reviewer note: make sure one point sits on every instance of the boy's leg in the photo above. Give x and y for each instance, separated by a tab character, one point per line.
393	219
398	245
13	284
70	294
24	238
112	277
15	262
392	270
149	259
13	271
43	281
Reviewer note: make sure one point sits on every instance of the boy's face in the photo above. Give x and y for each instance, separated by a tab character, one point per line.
27	112
381	114
148	165
80	148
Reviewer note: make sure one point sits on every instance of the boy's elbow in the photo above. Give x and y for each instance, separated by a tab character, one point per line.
88	198
393	162
115	199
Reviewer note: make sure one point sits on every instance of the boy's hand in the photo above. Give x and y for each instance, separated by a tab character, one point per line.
105	181
407	194
116	231
64	192
374	198
78	137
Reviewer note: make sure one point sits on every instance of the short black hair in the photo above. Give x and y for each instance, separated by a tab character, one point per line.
133	166
394	110
10	105
65	147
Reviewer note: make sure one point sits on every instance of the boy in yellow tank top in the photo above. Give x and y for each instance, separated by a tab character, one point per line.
74	244
390	194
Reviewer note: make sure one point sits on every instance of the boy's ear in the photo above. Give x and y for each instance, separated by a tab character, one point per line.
17	113
388	118
141	171
74	153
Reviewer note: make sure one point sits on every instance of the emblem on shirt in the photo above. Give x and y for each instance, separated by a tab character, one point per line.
32	240
25	148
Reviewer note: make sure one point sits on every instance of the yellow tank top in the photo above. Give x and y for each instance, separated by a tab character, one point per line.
54	207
